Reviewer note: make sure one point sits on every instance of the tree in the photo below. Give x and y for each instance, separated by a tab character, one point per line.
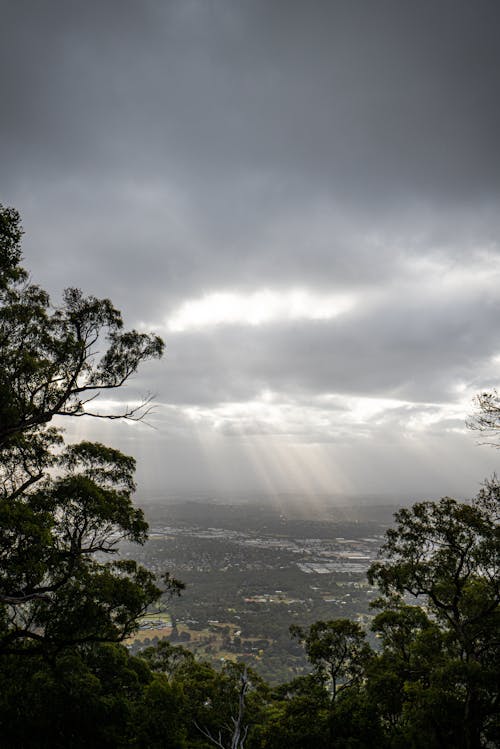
297	716
486	417
93	697
49	361
220	708
232	733
63	505
337	650
447	553
412	649
167	659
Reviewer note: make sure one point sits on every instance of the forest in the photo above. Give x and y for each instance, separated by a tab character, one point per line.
68	602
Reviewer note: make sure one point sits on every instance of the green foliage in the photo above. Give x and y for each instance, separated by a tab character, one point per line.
434	680
63	505
355	722
96	697
297	716
439	666
49	359
337	650
450	553
168	659
486	417
10	248
223	706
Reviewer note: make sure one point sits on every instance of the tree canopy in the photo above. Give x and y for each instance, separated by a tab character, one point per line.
61	505
486	416
337	650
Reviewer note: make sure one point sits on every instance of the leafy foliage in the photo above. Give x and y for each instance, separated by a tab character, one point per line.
63	508
443	660
486	417
450	553
337	650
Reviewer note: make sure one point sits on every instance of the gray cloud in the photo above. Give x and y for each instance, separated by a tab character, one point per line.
356	95
416	342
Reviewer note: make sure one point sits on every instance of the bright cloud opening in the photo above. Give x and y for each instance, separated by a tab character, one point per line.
257	308
326	418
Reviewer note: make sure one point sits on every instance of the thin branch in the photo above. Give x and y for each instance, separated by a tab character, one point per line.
208	735
21	489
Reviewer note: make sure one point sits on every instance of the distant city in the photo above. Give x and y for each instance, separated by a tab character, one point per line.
253	568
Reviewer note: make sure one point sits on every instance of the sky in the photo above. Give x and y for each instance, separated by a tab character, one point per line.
302	198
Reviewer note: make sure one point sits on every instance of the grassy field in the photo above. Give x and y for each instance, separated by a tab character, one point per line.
209	642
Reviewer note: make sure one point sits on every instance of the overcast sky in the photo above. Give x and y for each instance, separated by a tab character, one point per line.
302	198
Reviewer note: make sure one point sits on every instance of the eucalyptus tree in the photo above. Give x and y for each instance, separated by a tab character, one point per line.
444	556
337	650
64	508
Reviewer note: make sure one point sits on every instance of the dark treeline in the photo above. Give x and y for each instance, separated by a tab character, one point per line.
67	602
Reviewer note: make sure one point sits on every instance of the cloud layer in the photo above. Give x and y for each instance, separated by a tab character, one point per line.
302	197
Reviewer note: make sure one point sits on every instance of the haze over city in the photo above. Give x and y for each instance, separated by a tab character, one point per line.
302	199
